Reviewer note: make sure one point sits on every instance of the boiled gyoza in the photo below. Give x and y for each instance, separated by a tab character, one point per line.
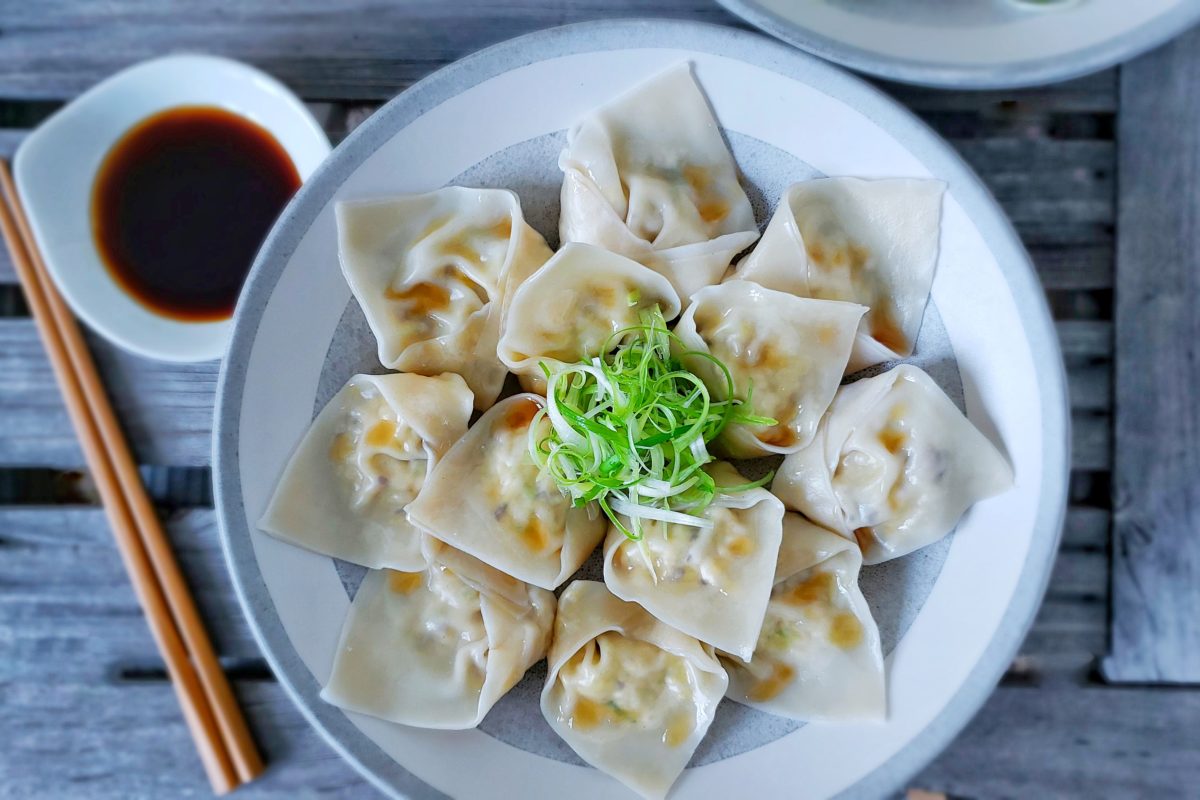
790	351
488	498
571	307
872	242
818	655
365	457
432	271
894	465
437	648
711	582
632	696
648	176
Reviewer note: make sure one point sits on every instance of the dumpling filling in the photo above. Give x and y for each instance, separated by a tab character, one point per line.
690	556
615	683
381	460
527	504
448	635
808	611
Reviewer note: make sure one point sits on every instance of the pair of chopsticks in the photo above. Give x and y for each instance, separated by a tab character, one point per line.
209	707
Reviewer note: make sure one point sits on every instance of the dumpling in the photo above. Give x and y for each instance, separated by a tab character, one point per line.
818	655
363	460
437	648
711	583
873	242
632	696
792	351
431	272
894	465
488	498
648	176
571	307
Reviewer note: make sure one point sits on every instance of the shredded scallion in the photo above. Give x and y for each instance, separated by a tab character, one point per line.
630	429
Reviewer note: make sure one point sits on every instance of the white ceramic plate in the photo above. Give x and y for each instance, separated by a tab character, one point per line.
56	164
972	44
951	617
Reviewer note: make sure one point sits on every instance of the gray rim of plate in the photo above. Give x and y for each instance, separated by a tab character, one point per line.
378	767
1035	72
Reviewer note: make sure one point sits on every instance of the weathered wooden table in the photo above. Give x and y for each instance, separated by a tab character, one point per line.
1097	704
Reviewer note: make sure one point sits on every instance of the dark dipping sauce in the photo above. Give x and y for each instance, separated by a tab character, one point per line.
181	204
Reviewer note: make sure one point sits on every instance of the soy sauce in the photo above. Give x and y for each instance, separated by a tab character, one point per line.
181	204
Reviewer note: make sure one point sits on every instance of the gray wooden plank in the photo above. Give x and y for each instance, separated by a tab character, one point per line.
166	409
1086	742
1085	338
1122	743
358	49
64	591
1091	441
67	738
1078	266
1156	523
1091	94
354	49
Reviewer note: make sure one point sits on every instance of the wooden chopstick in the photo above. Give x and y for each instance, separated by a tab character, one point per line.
210	709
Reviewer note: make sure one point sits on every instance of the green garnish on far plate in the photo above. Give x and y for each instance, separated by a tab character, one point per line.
630	430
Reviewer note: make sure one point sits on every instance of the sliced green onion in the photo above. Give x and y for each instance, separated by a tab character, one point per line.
629	430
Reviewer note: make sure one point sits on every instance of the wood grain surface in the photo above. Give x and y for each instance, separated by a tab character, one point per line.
86	709
1156	533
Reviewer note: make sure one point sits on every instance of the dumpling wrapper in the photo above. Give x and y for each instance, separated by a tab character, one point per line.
713	583
791	350
818	656
364	458
570	308
432	273
631	695
488	498
438	648
872	242
894	465
648	175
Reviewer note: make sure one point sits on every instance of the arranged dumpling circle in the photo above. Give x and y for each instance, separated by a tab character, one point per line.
713	589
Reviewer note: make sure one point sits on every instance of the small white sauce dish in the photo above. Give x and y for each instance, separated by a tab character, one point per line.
57	164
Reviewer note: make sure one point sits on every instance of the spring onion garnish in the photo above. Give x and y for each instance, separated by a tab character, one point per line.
630	430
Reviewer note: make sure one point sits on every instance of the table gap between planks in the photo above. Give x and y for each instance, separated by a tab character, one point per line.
86	710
